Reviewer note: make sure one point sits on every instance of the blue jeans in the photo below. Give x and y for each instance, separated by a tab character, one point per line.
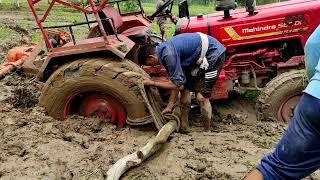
298	153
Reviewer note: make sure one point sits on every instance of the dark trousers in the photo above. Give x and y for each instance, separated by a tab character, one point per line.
298	153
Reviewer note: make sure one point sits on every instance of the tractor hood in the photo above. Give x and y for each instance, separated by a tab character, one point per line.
278	20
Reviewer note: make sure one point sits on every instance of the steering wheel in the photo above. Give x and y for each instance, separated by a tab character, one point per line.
168	6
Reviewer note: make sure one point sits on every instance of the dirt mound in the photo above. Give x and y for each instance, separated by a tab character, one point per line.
19	91
36	146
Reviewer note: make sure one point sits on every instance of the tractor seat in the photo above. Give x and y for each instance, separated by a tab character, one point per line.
111	12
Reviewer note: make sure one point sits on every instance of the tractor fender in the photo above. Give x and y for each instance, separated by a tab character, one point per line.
116	46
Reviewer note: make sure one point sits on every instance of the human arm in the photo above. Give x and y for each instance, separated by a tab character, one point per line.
254	175
172	100
312	52
163	84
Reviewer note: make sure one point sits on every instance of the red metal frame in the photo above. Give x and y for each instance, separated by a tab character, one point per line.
94	10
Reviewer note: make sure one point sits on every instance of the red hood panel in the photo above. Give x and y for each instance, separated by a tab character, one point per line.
274	21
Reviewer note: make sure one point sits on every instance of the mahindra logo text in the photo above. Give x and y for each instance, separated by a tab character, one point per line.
259	28
270	27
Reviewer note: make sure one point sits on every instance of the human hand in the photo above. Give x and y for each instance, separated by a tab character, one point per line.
148	82
167	110
174	19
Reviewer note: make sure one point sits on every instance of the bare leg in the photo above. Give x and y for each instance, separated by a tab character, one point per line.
166	34
16	3
185	108
206	110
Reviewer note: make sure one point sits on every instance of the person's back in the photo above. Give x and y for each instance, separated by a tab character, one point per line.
187	49
193	62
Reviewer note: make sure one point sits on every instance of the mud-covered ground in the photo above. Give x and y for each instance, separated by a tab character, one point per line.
35	146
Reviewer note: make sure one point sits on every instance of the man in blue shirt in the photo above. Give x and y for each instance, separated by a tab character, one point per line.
193	62
297	154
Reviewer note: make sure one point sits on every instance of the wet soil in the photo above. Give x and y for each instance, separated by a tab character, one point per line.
33	145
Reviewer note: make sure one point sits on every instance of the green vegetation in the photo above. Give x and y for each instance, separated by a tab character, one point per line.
62	15
250	94
194	9
36	37
5	33
212	2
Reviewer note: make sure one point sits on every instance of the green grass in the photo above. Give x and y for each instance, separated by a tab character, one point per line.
62	15
250	94
194	10
5	33
36	37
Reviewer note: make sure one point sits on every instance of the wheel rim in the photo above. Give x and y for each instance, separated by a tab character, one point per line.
286	110
96	105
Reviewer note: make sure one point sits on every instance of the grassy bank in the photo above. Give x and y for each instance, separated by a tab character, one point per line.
193	8
61	15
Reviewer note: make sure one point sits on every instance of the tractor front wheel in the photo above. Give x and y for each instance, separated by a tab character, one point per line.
280	96
103	87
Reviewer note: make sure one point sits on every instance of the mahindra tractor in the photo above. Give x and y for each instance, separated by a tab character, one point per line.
265	50
99	76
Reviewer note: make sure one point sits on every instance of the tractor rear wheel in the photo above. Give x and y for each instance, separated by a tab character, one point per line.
280	96
102	87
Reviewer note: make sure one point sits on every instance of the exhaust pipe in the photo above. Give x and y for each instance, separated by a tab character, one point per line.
226	6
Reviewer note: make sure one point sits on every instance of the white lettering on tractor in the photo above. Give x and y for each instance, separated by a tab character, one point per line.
284	25
259	28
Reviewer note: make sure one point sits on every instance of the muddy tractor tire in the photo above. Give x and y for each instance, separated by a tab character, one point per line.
101	87
280	96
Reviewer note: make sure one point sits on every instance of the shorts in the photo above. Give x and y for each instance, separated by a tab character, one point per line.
164	26
297	154
205	79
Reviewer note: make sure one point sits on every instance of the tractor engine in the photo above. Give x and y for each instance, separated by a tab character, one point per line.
262	42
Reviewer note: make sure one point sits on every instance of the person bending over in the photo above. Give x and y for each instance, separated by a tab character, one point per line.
193	62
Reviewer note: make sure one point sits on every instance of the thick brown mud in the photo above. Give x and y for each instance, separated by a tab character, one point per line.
36	146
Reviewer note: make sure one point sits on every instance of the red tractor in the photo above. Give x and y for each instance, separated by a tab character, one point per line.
264	50
100	76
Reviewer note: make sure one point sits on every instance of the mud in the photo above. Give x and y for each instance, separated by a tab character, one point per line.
36	146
